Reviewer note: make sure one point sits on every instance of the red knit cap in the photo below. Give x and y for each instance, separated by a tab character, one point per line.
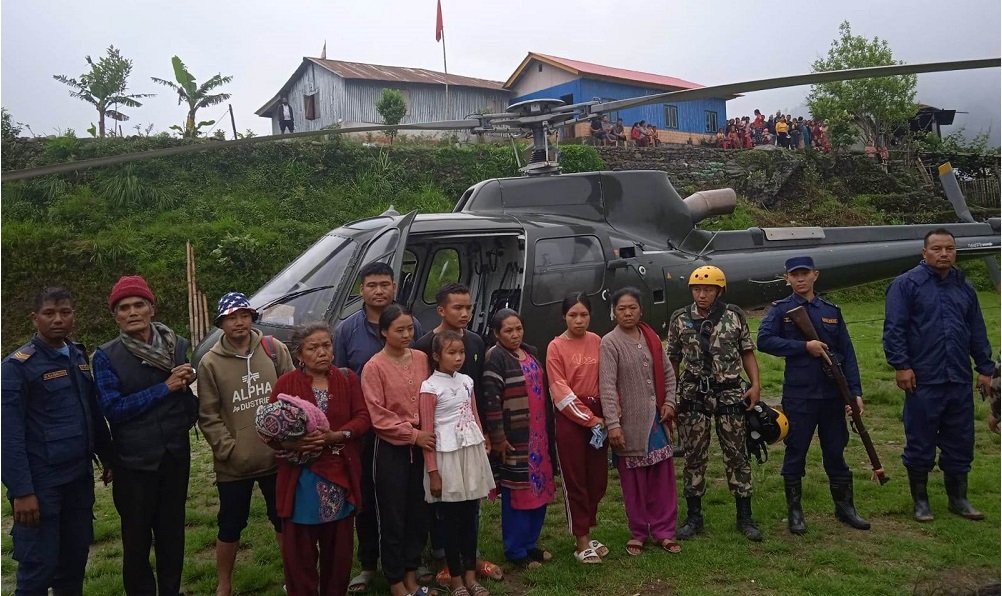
129	286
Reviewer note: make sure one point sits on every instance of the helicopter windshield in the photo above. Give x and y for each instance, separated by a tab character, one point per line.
304	290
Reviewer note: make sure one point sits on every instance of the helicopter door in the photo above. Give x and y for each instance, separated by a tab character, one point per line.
387	246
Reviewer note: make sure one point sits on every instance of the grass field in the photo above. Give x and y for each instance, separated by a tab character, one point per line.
948	556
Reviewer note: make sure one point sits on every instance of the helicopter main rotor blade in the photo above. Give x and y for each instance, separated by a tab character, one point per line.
796	81
111	160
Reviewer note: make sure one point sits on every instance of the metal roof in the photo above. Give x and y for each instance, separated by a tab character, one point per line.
401	74
579	67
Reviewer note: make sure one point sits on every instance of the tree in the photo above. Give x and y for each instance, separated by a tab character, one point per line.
196	96
392	108
865	109
105	85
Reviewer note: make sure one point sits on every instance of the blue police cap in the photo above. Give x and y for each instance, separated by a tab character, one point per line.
794	263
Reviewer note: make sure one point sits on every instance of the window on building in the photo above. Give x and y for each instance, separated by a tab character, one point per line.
310	106
711	121
539	67
671	116
565	265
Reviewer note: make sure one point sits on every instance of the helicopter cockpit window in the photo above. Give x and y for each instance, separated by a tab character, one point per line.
444	269
379	250
304	290
566	265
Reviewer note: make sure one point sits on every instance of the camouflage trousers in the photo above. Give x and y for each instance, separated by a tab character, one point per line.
695	411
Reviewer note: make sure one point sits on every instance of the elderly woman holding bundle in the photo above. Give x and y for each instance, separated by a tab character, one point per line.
316	415
637	386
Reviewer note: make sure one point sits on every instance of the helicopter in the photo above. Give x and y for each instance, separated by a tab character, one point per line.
527	242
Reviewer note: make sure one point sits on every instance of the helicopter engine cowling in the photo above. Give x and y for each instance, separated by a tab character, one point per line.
707	203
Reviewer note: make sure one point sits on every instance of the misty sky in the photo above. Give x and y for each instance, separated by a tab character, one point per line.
261	43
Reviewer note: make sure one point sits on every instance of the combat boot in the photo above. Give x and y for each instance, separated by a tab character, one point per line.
956	491
845	510
918	482
693	518
746	525
795	513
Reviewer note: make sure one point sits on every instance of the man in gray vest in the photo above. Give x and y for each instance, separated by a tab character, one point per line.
142	378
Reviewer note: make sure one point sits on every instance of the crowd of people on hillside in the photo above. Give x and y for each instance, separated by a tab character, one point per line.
641	134
780	130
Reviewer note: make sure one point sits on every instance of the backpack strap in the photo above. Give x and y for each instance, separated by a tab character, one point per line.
268	345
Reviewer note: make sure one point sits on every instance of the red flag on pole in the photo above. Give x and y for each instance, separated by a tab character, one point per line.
439	29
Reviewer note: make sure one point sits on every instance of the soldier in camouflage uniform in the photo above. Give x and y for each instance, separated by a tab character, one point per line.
711	340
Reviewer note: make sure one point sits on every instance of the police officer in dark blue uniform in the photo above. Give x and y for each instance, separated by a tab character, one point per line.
810	398
51	429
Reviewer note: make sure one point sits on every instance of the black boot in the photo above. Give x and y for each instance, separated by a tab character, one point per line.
845	510
693	518
795	513
918	482
956	491
746	525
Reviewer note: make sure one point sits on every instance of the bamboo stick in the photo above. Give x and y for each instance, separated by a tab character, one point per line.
190	285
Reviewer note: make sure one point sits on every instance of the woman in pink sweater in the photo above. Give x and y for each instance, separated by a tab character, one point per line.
391	383
572	370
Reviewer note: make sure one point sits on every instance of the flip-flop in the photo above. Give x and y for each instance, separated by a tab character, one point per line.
460	591
634	548
360	583
670	546
600	549
587	556
489	570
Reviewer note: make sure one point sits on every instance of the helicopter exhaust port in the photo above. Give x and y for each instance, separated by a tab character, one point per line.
707	203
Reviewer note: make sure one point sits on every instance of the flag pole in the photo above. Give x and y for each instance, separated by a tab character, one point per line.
445	66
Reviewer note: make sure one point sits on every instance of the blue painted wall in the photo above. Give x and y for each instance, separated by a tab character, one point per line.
691	114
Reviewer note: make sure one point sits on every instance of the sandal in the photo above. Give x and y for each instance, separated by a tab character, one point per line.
634	547
670	546
587	556
460	591
360	583
539	554
489	570
600	549
526	563
478	590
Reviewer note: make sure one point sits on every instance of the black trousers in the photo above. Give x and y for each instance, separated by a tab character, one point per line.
459	522
366	520
151	505
403	514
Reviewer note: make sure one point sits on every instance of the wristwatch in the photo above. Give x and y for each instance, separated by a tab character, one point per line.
347	435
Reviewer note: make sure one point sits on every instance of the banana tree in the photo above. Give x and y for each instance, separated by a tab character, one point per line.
195	95
105	86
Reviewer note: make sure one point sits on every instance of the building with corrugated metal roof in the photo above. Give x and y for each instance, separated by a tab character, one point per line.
574	81
323	93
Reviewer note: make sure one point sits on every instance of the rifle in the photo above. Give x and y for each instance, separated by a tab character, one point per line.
834	370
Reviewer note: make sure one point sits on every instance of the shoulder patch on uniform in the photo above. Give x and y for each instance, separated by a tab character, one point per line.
55	374
24	352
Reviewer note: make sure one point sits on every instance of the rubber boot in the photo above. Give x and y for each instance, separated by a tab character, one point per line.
956	491
795	513
845	510
918	482
693	518
746	525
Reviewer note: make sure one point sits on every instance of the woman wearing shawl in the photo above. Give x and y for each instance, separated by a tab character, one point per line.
318	487
520	425
637	386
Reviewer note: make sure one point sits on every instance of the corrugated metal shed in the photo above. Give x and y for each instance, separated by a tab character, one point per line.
376	72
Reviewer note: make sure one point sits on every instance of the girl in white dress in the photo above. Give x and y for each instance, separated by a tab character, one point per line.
458	473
